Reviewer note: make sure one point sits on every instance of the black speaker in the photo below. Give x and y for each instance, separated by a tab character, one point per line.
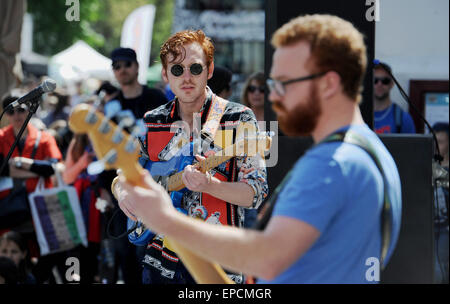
413	258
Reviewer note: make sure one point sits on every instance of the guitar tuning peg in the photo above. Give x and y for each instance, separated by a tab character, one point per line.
126	119
111	109
91	117
137	131
99	99
98	166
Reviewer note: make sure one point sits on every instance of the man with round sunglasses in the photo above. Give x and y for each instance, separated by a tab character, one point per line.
326	224
388	116
220	194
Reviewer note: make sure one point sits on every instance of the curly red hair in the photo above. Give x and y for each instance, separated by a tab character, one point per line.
175	46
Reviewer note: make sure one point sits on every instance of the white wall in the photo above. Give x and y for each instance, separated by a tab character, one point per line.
412	36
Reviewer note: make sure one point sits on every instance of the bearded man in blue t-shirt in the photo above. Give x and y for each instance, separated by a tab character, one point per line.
388	116
326	225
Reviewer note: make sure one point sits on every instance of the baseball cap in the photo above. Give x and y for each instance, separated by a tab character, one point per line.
125	54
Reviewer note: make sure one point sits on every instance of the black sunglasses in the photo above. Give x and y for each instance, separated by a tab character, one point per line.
384	80
252	89
18	110
178	70
117	65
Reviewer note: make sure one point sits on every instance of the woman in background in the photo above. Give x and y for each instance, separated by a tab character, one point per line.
13	246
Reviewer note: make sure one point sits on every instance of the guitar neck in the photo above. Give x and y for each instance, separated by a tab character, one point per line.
175	182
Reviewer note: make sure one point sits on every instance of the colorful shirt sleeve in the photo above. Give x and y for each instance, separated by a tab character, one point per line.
252	169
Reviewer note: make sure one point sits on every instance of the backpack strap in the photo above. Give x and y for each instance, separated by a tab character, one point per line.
398	118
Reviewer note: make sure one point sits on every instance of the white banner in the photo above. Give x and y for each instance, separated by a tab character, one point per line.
137	33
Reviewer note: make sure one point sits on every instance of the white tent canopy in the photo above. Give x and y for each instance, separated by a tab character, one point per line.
78	62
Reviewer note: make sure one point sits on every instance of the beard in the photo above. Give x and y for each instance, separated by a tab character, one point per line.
381	97
301	120
127	78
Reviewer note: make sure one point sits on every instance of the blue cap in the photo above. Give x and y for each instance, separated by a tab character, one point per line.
125	54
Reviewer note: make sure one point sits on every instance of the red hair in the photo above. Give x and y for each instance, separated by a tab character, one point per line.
175	46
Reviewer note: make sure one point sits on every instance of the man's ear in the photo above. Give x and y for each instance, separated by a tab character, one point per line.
211	70
164	75
330	84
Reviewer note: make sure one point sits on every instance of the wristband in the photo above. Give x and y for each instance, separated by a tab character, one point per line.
42	167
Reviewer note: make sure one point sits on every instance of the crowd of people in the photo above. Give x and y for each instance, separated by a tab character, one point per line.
231	194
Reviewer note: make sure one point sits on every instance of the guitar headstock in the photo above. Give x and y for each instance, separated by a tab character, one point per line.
115	148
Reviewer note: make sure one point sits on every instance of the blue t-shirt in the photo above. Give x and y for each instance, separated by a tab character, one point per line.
385	121
337	188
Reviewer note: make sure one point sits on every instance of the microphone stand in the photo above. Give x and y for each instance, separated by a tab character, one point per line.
33	106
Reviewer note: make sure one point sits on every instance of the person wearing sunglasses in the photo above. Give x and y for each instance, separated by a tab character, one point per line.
326	222
220	194
388	116
138	98
33	157
253	94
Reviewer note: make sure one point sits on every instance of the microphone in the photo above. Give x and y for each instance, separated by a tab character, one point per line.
49	85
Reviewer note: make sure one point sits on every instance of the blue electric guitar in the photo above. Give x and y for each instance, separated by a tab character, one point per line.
169	174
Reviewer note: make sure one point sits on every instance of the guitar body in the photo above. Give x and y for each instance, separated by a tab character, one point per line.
161	171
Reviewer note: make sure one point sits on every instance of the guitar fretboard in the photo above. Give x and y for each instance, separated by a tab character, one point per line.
175	182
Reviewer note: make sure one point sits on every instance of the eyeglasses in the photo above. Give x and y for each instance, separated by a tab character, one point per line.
177	70
384	80
279	86
17	110
117	65
253	89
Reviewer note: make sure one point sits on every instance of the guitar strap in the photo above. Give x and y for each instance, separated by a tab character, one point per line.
216	110
215	114
386	220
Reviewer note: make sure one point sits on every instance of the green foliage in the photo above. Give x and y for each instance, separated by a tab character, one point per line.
100	24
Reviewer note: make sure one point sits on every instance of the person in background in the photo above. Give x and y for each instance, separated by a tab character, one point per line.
253	94
220	82
139	99
388	116
34	157
132	95
13	246
253	97
441	207
79	156
59	101
9	273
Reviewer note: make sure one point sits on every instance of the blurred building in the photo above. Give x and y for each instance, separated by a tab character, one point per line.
237	28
